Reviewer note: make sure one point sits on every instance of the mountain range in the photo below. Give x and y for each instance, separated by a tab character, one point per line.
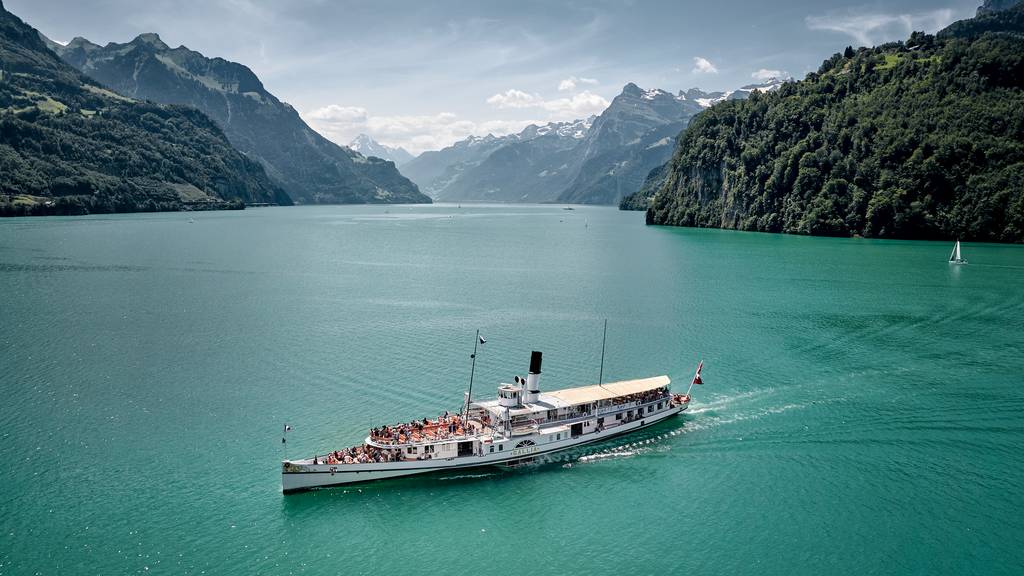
309	167
915	139
594	161
68	145
368	147
523	167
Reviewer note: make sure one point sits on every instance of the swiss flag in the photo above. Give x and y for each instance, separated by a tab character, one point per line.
696	377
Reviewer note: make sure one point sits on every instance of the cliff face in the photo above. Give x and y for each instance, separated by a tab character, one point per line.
70	146
311	168
923	139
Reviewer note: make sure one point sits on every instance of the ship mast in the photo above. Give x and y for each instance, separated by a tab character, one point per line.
472	372
600	376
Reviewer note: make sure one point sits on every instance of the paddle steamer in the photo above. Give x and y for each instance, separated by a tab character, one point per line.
519	425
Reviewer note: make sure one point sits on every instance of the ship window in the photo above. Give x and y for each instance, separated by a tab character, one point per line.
492	449
650	409
501	447
558	436
618	416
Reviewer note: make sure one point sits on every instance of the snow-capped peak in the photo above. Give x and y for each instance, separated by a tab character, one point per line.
653	93
768	85
717	97
367	146
572	129
708	99
576	129
363	140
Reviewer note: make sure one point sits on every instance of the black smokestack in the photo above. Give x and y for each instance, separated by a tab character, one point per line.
535	362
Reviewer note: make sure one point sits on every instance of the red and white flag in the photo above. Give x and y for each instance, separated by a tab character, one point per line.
696	377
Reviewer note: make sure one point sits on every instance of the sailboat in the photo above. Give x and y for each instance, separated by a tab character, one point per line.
954	257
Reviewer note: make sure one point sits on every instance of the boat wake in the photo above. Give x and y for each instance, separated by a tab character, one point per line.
716	421
723	402
468	476
709	418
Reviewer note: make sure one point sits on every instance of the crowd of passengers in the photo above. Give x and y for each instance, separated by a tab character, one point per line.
364	454
446	426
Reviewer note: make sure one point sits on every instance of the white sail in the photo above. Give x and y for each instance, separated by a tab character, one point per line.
955	255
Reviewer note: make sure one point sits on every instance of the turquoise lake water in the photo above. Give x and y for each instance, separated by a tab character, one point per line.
863	411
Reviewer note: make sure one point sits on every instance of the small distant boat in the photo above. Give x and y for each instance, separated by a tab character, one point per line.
955	257
568	208
191	221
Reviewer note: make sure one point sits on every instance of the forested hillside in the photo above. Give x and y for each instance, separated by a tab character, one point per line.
69	146
917	139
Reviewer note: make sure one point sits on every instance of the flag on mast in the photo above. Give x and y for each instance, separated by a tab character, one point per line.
482	340
696	377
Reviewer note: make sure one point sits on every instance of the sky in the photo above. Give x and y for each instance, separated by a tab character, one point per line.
423	75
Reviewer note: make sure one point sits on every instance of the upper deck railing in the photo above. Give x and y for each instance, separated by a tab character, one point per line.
601	411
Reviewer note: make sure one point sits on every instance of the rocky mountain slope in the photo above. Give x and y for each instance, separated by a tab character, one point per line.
70	146
633	135
916	139
311	168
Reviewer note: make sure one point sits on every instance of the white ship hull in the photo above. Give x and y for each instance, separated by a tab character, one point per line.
299	476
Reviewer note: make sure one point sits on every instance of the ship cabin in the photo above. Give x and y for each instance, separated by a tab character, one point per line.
571	412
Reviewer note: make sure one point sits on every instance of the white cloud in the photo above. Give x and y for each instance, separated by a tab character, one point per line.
513	98
341	124
870	29
339	114
577	106
703	66
572	82
765	74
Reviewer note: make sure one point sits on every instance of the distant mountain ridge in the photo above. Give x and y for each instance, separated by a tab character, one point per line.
368	147
593	161
522	167
311	168
70	146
